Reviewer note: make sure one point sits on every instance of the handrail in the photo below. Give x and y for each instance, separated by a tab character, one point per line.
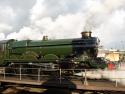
40	74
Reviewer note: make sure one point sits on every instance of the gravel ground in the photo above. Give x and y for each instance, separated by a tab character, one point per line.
13	90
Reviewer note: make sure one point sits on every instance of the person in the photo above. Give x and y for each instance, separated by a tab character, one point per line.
111	66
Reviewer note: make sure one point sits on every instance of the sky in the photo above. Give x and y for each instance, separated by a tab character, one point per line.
58	19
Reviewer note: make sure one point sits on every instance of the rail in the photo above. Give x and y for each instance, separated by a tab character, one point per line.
84	75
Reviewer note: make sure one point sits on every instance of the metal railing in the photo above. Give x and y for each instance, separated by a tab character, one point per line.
39	74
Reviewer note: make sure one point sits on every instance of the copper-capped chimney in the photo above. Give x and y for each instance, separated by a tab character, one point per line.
86	34
45	37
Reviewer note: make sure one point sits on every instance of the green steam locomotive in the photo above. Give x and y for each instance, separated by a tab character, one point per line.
59	53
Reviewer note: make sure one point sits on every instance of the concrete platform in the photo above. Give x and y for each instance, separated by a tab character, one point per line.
98	85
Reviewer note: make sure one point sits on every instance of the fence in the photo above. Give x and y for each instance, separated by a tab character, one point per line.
39	74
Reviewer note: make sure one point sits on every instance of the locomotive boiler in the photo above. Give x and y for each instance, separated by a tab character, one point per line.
62	53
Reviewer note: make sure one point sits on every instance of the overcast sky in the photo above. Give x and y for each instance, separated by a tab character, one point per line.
31	19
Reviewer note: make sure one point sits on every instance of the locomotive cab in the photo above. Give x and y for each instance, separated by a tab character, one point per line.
2	50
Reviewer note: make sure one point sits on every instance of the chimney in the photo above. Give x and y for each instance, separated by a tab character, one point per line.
86	34
45	37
